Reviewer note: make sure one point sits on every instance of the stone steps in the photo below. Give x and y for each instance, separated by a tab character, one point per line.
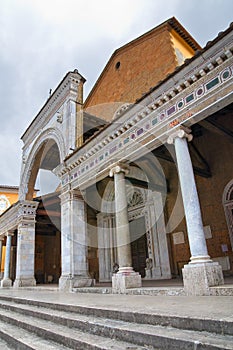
79	327
51	335
4	345
20	338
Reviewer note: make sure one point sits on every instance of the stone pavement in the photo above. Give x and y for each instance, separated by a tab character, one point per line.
208	307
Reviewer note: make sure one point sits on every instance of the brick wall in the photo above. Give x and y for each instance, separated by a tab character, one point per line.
132	71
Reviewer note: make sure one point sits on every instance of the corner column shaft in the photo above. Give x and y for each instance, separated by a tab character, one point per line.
6	281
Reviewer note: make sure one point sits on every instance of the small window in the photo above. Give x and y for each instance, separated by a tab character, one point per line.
117	66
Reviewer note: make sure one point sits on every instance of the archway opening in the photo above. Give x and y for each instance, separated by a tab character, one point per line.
48	215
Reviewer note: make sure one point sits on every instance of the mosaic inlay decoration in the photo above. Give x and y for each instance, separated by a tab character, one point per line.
152	123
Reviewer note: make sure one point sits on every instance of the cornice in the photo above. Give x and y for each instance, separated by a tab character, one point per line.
175	106
67	88
22	211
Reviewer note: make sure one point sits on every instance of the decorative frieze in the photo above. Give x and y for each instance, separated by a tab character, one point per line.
172	109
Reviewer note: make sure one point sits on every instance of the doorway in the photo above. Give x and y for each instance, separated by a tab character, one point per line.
139	249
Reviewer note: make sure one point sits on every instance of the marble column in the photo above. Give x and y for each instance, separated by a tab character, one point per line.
126	277
201	273
74	250
6	281
1	240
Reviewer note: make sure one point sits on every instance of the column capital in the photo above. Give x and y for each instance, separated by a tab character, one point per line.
71	194
119	168
9	233
181	132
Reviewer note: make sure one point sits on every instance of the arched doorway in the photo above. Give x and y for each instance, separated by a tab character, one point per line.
45	156
228	208
147	231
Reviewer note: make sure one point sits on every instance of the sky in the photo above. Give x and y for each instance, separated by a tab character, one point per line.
41	40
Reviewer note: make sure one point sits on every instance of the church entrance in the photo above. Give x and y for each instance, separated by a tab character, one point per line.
139	248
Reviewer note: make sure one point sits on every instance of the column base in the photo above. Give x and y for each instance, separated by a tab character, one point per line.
67	283
6	283
198	278
24	282
125	280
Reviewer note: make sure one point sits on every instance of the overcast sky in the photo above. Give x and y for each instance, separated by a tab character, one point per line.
41	40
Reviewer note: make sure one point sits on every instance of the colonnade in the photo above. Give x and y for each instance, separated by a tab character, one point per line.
198	275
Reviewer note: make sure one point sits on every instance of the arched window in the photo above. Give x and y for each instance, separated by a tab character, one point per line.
228	208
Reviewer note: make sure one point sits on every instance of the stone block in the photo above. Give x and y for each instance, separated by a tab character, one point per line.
198	278
6	283
24	282
83	282
121	282
66	283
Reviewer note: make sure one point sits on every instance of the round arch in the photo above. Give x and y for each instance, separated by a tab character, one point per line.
47	139
228	192
227	200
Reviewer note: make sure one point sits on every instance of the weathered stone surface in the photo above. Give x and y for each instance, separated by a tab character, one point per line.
198	278
121	282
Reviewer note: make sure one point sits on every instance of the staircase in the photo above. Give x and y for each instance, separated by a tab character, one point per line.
31	324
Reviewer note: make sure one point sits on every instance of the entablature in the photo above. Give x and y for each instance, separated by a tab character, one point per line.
22	211
207	88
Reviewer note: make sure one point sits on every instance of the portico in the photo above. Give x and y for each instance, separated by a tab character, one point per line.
132	191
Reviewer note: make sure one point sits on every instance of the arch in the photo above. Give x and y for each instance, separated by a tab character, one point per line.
31	164
227	200
228	192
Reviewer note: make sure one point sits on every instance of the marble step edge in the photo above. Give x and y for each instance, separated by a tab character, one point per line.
17	338
219	326
142	335
153	291
67	337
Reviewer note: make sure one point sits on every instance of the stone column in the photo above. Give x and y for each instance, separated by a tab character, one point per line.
6	281
74	264
126	277
201	273
1	240
25	259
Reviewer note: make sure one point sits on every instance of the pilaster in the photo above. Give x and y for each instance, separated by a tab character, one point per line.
74	242
25	260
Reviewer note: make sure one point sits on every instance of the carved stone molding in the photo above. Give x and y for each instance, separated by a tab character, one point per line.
145	127
71	195
28	161
22	211
69	85
181	132
119	168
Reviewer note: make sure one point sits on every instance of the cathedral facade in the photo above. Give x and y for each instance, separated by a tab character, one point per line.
144	167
